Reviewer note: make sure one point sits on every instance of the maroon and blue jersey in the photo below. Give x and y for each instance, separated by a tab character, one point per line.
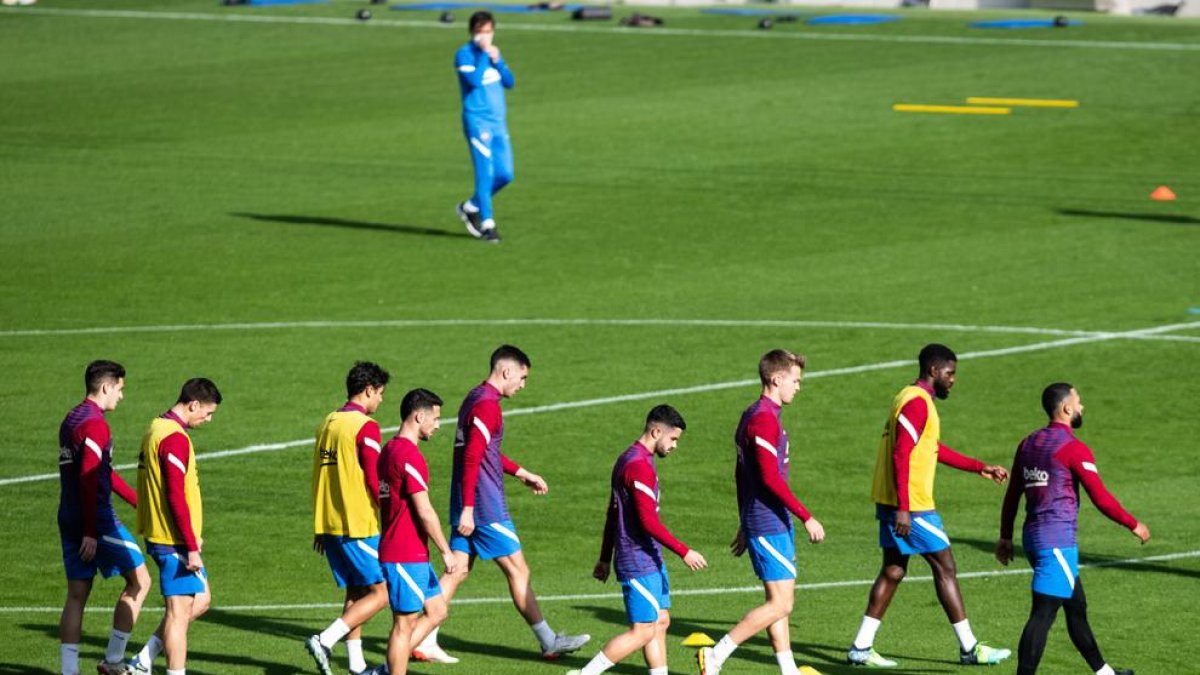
477	478
765	502
1048	469
86	476
633	529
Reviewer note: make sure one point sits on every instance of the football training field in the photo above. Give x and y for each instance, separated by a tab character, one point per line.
264	196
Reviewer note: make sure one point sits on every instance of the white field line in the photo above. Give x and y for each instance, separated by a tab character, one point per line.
698	389
712	323
236	16
729	590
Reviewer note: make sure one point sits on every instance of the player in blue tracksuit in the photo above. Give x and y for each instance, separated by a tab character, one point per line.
483	76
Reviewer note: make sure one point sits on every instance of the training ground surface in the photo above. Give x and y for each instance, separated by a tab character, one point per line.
263	201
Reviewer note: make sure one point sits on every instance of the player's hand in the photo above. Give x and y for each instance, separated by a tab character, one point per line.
466	522
194	563
738	546
87	549
995	472
903	524
319	544
1004	551
492	52
816	532
1142	532
695	561
533	481
450	561
600	571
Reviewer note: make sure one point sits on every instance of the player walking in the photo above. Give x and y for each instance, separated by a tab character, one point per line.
482	527
171	517
345	483
908	455
1049	466
483	75
634	530
766	505
93	538
409	520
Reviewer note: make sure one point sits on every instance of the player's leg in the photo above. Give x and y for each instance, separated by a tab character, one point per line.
142	662
945	580
425	633
125	616
655	651
479	139
400	643
892	570
175	630
499	542
1037	628
1080	630
70	623
354	562
502	160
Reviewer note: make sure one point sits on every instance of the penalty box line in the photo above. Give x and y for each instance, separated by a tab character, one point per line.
729	590
699	389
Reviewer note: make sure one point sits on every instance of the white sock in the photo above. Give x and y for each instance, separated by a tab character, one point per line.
153	648
544	635
966	638
180	671
597	665
787	663
661	670
1106	670
487	224
354	649
470	207
723	649
336	631
430	640
69	654
866	633
116	646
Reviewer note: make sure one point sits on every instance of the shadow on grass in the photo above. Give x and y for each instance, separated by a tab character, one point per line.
1168	218
352	224
15	669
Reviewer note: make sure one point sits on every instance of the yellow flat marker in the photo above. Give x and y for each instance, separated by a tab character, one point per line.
698	640
951	109
1026	102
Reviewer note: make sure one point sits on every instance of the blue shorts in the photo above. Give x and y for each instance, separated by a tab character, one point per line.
410	585
488	541
117	552
646	596
1055	571
174	578
773	555
927	535
354	561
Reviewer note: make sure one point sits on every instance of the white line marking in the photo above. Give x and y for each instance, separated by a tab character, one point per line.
698	389
676	32
815	586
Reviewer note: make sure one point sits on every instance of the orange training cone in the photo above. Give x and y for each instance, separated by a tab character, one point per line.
1163	194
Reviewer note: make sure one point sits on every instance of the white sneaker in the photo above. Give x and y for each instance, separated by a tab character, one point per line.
565	644
432	654
706	661
135	666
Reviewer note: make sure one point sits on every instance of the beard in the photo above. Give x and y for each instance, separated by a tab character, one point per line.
1076	420
940	390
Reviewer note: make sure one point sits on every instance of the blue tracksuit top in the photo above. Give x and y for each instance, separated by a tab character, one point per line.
482	83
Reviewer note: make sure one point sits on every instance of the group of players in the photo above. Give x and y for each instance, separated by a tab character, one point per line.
373	520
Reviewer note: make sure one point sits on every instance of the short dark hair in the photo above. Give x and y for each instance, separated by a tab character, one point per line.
201	390
665	415
99	372
933	356
1054	395
778	360
478	20
509	353
365	374
418	399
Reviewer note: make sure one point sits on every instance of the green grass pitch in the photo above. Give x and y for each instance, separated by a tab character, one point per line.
168	170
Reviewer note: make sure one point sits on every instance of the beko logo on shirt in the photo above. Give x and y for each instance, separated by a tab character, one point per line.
329	457
1035	477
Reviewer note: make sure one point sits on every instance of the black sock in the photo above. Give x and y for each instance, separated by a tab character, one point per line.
1033	638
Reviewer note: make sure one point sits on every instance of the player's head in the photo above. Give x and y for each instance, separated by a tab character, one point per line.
1062	404
481	23
664	426
365	384
198	400
422	409
105	383
938	365
781	372
510	369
